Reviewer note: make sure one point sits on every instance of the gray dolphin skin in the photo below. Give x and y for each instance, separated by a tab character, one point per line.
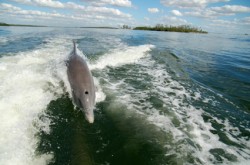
82	84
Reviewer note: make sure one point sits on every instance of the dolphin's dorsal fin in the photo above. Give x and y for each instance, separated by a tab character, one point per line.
74	43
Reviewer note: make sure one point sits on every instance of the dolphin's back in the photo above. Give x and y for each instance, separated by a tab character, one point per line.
78	72
81	81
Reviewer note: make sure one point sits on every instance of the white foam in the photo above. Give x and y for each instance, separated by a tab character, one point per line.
117	57
100	95
193	125
126	55
245	162
177	101
29	81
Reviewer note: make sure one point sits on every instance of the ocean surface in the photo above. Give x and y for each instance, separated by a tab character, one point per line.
163	98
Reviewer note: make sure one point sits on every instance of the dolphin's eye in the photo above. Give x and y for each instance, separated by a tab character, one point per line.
86	92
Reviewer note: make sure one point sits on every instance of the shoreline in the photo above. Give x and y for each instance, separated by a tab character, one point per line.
181	29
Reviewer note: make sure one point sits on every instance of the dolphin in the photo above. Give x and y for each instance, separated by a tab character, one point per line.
82	84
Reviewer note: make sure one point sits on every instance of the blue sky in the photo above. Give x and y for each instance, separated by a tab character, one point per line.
210	15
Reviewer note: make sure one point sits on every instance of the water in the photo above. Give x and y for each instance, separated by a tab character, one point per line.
162	98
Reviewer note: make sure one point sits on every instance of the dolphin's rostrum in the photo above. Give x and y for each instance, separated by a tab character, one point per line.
82	84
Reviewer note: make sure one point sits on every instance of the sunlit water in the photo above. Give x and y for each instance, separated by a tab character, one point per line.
162	98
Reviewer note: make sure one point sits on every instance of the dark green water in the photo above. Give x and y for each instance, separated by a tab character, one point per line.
162	98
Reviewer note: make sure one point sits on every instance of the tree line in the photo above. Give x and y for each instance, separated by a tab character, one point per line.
182	28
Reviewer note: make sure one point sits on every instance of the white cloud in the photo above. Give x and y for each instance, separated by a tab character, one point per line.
169	20
91	15
71	5
214	12
22	1
239	25
45	3
176	12
7	8
49	3
231	9
245	21
205	13
222	22
146	18
122	3
105	10
153	10
189	3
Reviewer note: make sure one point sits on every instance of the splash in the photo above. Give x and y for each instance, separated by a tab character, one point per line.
29	81
121	56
